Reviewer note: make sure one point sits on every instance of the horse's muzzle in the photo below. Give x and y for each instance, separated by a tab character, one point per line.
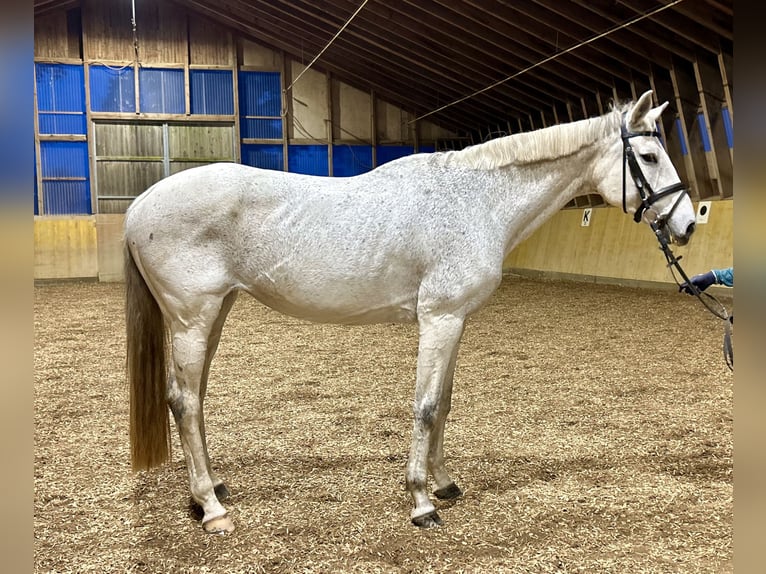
683	239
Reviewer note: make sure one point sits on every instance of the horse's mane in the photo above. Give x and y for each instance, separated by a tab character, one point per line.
543	144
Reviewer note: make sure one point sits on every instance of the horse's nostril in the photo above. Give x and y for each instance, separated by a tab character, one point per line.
690	229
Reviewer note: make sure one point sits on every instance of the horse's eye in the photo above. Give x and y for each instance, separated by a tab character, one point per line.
649	157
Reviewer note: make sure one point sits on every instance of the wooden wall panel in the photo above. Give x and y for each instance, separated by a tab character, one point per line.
392	124
309	104
124	178
128	140
65	247
214	142
352	113
260	57
109	229
108	31
210	44
54	35
161	30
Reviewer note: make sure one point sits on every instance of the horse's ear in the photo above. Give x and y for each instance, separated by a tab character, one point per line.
639	111
655	113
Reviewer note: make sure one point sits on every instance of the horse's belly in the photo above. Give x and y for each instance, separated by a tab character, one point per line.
351	302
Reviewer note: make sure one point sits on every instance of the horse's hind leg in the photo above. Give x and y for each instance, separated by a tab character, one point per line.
439	338
191	360
214	338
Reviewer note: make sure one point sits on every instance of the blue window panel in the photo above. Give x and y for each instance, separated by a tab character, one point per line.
260	129
703	132
60	99
212	92
66	197
112	90
260	94
267	156
60	87
351	159
426	149
308	159
681	139
728	128
63	159
60	161
387	153
161	91
61	124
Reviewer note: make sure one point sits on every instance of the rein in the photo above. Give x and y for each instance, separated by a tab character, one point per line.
658	225
711	304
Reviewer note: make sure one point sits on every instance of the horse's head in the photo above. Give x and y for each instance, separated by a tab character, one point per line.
639	176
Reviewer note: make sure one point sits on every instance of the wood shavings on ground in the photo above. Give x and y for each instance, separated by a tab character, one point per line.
591	431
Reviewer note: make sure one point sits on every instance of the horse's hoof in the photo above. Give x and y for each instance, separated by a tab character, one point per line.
220	525
429	520
449	492
221	492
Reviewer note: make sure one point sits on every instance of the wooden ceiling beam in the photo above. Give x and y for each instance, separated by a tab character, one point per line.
458	60
676	23
540	41
438	70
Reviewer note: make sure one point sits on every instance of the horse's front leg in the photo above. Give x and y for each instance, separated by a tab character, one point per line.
439	339
445	487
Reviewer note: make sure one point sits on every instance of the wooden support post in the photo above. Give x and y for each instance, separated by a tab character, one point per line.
686	108
724	64
710	124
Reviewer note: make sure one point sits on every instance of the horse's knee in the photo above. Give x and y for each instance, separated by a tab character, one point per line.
426	413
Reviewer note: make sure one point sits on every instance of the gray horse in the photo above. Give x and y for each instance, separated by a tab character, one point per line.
419	239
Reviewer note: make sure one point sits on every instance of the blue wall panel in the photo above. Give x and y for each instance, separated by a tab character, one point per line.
260	96
112	90
727	127
703	132
212	92
351	160
161	91
60	98
268	156
308	159
681	138
34	172
65	175
386	153
66	197
260	129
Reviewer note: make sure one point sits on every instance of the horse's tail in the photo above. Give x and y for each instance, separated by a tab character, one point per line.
147	373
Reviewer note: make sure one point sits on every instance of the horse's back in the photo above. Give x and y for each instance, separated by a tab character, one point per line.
292	241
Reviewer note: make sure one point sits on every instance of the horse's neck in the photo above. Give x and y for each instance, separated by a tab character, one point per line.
527	196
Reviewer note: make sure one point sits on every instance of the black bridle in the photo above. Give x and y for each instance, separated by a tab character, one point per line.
648	195
661	232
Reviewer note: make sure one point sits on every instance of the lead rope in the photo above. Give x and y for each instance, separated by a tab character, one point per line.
720	312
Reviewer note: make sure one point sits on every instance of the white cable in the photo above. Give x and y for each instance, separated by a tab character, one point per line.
549	58
327	46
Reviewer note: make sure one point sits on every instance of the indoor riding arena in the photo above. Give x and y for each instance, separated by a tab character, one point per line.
591	419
